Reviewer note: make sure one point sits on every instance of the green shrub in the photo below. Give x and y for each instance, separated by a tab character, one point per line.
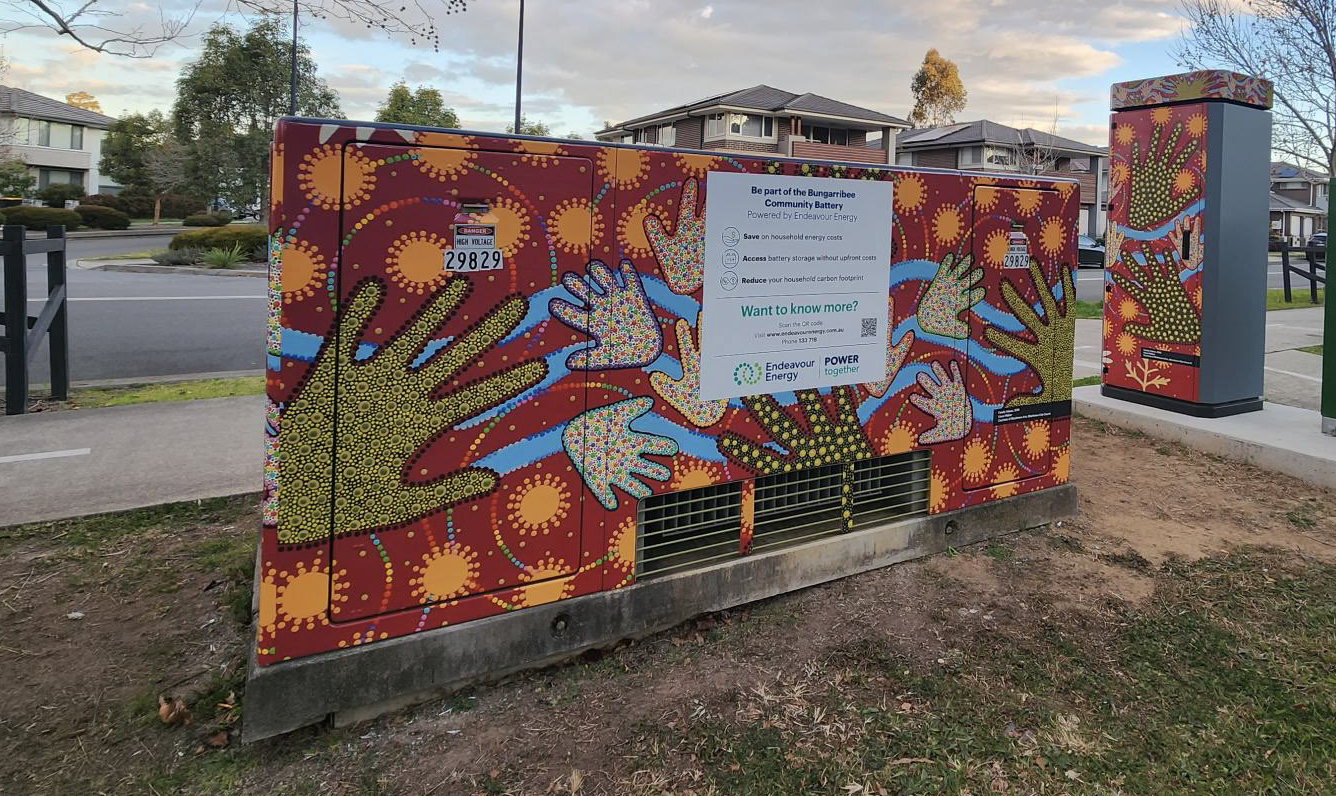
219	219
179	206
179	257
57	195
246	236
42	217
2	220
224	258
102	217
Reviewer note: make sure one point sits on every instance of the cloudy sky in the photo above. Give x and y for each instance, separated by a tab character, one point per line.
586	61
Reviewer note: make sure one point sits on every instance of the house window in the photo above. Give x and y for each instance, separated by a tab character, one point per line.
641	135
47	177
667	135
1290	186
904	158
59	136
828	135
743	125
1079	165
76	137
1001	158
969	156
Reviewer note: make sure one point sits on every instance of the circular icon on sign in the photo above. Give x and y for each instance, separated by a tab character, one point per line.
747	374
730	258
731	236
728	281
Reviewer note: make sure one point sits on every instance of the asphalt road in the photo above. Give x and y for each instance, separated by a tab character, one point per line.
125	325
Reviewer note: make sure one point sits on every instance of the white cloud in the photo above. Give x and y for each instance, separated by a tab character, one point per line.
707	12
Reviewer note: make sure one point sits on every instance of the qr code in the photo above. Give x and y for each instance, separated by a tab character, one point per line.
869	327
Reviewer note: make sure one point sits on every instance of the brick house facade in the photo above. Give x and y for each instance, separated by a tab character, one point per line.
764	119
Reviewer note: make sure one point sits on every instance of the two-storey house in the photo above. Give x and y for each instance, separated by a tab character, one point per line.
60	144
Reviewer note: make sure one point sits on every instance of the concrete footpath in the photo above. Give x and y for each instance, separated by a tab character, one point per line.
87	461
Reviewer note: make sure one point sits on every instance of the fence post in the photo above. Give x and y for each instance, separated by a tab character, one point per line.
1329	328
58	341
1285	270
16	320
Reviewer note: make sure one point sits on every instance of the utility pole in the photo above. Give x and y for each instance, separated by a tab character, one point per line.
519	69
292	91
1329	326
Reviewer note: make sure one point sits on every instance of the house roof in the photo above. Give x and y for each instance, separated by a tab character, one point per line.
1286	171
18	102
984	131
768	98
1284	204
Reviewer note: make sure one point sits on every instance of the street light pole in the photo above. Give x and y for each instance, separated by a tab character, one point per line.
292	91
519	70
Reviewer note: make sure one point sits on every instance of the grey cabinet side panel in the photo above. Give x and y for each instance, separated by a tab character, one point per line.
1234	282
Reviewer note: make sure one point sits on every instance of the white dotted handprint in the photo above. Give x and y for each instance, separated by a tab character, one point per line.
607	452
947	401
952	292
684	394
895	353
618	318
681	255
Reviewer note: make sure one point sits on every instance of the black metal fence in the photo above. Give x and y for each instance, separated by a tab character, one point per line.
24	332
1314	261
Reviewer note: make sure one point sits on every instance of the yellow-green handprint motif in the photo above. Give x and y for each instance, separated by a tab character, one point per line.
1156	286
1049	355
1152	198
385	413
823	439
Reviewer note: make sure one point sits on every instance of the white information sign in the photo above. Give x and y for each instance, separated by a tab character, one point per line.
797	270
474	249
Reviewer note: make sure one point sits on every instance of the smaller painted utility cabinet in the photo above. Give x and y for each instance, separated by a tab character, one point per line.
1185	282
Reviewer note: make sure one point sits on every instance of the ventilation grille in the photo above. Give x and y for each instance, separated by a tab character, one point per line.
890	487
794	507
689	528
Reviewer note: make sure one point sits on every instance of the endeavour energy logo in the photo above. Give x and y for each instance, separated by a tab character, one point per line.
747	374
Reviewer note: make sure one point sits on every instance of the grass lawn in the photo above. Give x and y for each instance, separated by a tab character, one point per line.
148	222
1275	299
1085	381
139	255
93	397
1090	310
1312	349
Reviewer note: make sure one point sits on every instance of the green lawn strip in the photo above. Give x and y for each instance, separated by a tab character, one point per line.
1089	310
1275	299
1312	349
191	390
1085	381
1222	685
146	254
83	534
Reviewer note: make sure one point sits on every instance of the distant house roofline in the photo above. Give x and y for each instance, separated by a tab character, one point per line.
1281	170
768	100
18	102
984	131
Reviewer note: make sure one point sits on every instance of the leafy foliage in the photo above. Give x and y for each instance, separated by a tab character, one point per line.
101	217
423	106
186	256
228	100
247	236
41	217
127	143
530	128
82	99
224	258
58	195
938	91
15	179
207	220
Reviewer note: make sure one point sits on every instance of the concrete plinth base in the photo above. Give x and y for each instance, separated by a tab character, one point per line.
355	684
1282	438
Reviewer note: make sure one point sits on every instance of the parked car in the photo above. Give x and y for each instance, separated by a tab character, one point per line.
1090	253
1319	239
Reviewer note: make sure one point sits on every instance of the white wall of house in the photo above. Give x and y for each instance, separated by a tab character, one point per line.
72	153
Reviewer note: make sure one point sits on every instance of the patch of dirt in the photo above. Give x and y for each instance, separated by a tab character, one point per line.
67	709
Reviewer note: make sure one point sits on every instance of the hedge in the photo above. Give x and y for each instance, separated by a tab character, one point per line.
41	217
246	236
208	220
140	206
102	217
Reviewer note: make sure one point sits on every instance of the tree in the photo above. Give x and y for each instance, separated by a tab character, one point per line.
92	25
1289	42
530	128
128	141
57	194
15	179
938	93
165	167
228	100
423	106
82	99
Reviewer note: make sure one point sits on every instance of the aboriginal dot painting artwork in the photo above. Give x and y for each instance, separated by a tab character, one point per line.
451	443
1154	250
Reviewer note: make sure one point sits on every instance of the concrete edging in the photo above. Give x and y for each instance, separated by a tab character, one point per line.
144	267
359	683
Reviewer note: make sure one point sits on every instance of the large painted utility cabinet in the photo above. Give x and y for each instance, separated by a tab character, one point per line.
1185	292
531	396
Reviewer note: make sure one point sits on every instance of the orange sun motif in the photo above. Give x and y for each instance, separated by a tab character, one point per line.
986	194
1184	182
539	504
1128	309
631	230
947	225
936	491
995	248
623	167
1125	343
416	261
1196	296
1197	125
910	193
539	153
329	175
1062	465
1027	202
544	583
899	438
512	225
623	551
302	270
696	165
443	164
445	573
302	599
575	225
1118	176
1161	115
1036	439
1004	481
1052	236
976	458
695	473
1124	134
